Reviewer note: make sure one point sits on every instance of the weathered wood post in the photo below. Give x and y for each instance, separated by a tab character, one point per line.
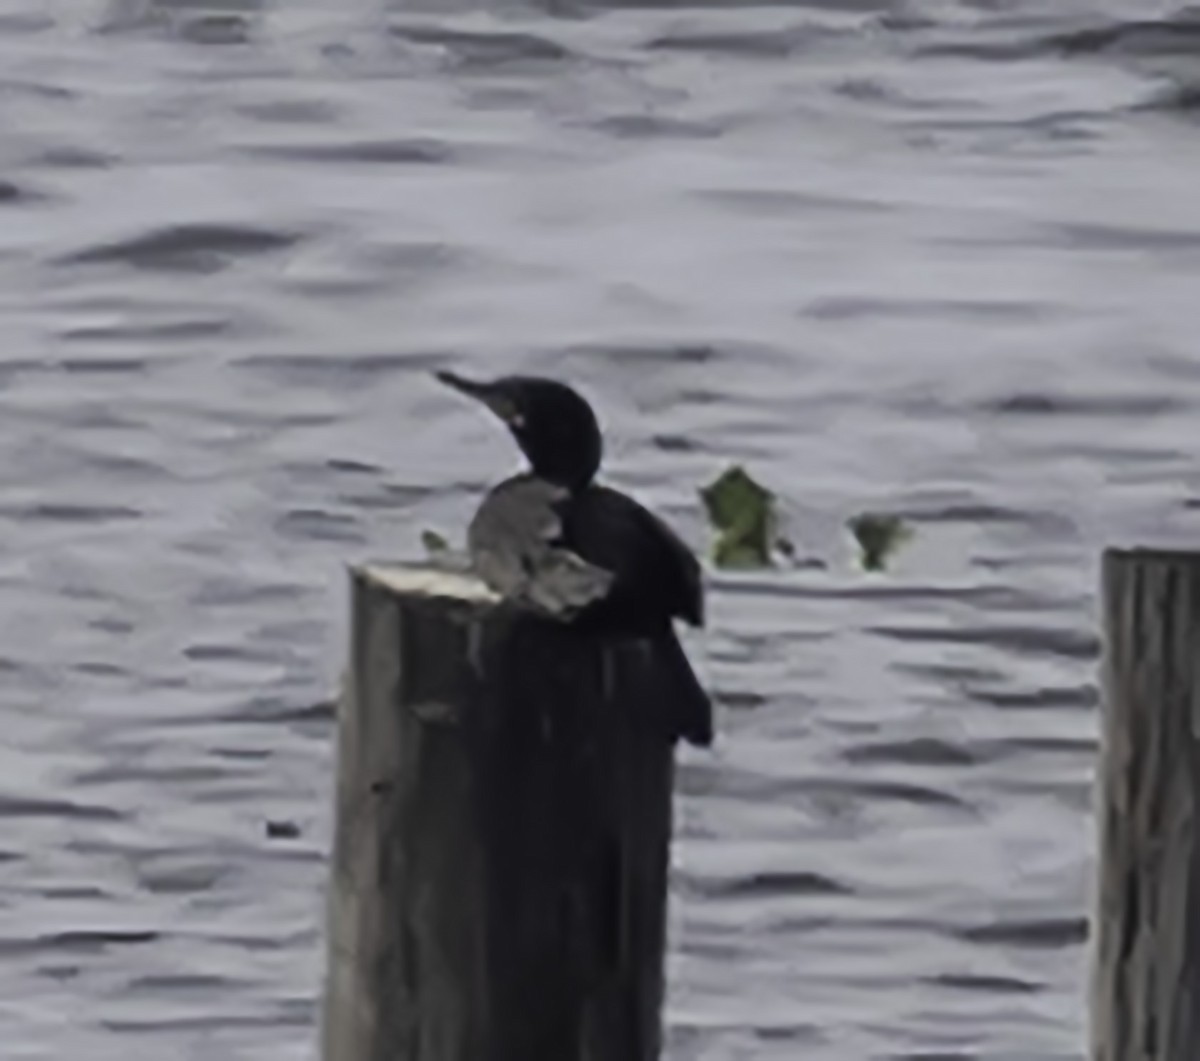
503	821
1145	1003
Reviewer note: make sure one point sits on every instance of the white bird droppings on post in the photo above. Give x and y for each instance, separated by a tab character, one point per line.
427	582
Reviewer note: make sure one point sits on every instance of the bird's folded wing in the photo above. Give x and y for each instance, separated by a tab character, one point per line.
563	584
514	542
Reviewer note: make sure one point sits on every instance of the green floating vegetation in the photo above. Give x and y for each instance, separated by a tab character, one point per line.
879	536
434	543
742	513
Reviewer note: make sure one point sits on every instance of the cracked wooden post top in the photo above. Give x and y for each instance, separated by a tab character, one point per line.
503	820
1145	991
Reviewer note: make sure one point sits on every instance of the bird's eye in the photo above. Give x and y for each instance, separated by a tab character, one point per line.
516	420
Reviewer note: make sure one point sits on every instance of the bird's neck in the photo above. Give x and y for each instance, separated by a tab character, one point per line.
567	458
573	475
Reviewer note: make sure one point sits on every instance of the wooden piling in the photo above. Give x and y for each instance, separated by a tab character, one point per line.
498	887
1145	1003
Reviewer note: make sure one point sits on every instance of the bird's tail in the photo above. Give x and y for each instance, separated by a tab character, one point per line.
686	706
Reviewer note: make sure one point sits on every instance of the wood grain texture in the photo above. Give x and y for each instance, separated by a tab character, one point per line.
498	887
1145	1003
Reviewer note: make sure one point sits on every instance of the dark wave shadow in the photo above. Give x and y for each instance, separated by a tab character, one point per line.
1040	403
320	525
986	984
21	807
185	248
1077	697
767	884
477	50
68	512
999	311
585	7
207	22
1048	933
1069	644
14	194
79	941
748	44
1175	35
425	152
656	126
1178	34
166	331
919	751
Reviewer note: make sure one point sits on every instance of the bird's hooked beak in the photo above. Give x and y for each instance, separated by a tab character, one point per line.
495	397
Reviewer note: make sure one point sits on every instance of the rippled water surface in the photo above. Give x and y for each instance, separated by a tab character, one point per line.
937	257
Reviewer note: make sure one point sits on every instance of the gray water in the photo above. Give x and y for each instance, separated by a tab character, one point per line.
936	257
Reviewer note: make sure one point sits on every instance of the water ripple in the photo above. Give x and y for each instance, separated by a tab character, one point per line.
1060	932
1074	644
22	807
81	941
383	152
486	50
773	44
186	247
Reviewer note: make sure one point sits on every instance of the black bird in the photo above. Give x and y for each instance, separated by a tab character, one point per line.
556	540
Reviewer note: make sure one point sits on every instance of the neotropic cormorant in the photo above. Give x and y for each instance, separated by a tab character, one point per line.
556	540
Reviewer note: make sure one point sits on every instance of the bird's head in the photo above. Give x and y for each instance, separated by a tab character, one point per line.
553	424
